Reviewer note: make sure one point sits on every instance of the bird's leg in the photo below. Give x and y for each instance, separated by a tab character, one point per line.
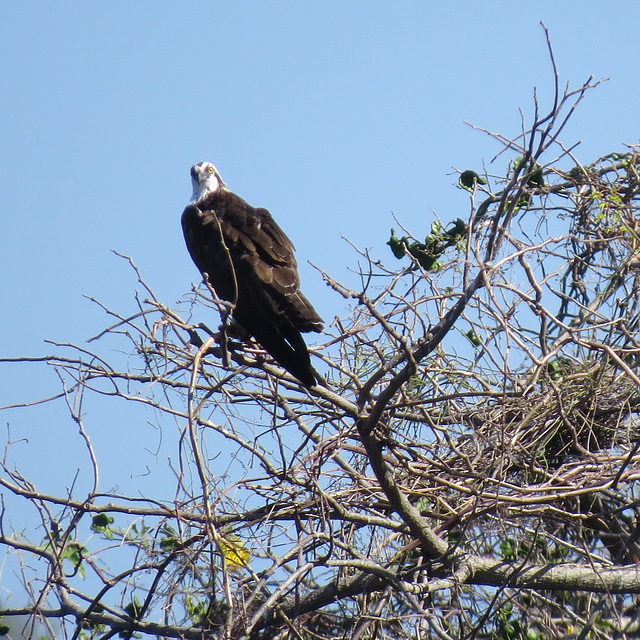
237	330
229	329
194	338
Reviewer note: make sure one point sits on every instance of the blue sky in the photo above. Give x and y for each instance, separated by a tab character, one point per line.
332	115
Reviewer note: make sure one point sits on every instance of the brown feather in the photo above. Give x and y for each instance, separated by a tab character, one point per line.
250	263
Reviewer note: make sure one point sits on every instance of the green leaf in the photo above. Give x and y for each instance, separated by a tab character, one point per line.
525	201
558	367
576	172
205	614
170	538
101	520
73	553
426	253
423	256
508	549
454	536
459	229
102	524
169	544
134	608
537	177
397	245
473	338
436	230
469	178
137	533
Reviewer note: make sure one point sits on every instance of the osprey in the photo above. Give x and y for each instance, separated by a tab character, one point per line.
249	262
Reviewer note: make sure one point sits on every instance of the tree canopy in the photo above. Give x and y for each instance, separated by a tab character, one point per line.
467	467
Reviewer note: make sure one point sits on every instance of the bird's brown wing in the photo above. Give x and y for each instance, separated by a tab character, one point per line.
250	262
257	241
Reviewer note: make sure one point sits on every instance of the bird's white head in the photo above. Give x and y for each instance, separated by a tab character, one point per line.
205	179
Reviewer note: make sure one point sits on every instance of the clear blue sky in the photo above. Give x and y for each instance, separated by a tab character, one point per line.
332	115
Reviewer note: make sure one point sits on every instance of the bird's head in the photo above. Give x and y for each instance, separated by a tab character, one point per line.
205	180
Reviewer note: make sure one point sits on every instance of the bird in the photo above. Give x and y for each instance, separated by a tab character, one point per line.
250	263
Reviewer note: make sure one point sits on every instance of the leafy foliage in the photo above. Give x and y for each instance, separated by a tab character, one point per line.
469	179
427	253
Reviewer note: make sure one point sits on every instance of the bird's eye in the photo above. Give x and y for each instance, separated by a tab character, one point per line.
210	169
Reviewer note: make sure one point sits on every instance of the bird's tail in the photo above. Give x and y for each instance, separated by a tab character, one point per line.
302	314
287	347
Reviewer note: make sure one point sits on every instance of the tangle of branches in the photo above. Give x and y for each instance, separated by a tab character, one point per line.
467	468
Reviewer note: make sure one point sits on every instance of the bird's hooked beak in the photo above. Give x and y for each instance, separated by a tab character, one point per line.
195	183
